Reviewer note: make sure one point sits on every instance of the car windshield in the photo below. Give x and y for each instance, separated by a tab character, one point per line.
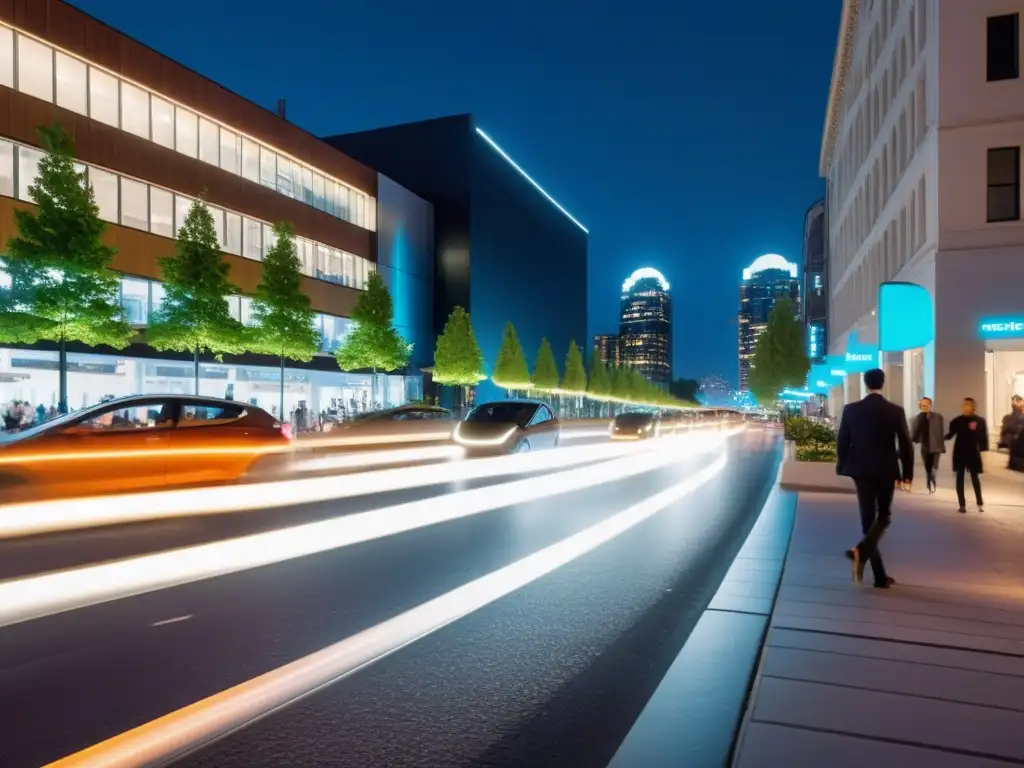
503	413
633	419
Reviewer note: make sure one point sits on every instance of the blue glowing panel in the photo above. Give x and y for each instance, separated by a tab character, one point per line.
859	357
1002	327
906	317
822	377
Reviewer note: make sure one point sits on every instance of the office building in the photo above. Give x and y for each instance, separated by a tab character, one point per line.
645	325
767	280
152	135
606	349
815	279
921	152
506	249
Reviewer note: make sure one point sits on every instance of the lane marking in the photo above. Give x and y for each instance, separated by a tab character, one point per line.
175	620
33	597
166	738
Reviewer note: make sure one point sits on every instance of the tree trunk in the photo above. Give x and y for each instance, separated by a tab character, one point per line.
62	386
196	389
282	390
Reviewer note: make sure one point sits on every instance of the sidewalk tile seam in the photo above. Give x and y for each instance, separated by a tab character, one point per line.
878	604
890	740
743	613
901	694
901	661
922	644
880	623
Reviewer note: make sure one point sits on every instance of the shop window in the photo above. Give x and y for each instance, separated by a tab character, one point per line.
161	212
35	68
186	132
1004	184
233	233
6	56
72	90
134	204
103	101
135	110
250	160
1003	47
268	168
230	151
209	142
135	300
104	187
6	167
252	239
162	121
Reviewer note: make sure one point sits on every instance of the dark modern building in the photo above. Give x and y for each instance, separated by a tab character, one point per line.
506	249
606	349
815	282
152	136
767	280
645	325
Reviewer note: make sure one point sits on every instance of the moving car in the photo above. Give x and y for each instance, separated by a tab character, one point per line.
637	425
143	442
405	424
508	426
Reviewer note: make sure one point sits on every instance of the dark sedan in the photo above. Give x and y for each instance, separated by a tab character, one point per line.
508	426
635	426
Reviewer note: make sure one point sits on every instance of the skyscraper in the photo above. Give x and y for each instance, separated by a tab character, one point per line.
645	325
815	293
767	280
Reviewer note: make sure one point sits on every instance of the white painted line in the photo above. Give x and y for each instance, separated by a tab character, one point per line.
164	739
175	620
37	596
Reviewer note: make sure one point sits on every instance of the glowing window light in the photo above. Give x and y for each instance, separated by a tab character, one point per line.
641	274
527	176
770	261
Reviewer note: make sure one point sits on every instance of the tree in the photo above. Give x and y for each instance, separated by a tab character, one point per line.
640	389
194	316
62	288
684	389
281	311
545	371
458	361
575	378
599	384
621	383
510	369
780	358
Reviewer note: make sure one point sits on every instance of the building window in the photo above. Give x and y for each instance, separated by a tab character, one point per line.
28	169
103	101
104	187
284	176
7	57
230	152
72	89
1004	184
161	212
307	187
182	205
252	239
268	168
163	122
6	169
209	142
218	224
134	204
157	293
135	300
35	68
135	110
251	160
186	132
233	233
318	192
269	238
1003	47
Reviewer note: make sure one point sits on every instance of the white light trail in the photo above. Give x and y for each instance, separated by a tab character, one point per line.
36	596
365	459
166	738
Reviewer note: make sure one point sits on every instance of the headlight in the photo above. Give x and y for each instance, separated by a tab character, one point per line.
611	428
648	428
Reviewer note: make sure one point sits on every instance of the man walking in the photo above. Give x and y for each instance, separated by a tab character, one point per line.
866	451
929	430
971	433
1011	435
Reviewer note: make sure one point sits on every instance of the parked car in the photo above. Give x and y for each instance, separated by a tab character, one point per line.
143	442
508	426
636	425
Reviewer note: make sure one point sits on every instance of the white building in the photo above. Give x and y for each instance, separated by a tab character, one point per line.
921	152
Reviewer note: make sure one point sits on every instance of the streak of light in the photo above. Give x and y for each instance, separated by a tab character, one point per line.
168	737
36	596
377	458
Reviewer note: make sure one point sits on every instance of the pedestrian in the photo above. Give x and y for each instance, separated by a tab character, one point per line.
866	450
929	431
971	433
1011	435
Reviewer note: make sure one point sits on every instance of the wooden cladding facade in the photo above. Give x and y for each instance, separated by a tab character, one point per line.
138	255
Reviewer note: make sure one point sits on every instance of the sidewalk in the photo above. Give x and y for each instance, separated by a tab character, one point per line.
930	672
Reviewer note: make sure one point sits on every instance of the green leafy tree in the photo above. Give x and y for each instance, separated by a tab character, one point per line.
283	319
621	385
510	369
62	288
780	358
545	371
599	385
575	378
684	389
639	387
194	316
458	361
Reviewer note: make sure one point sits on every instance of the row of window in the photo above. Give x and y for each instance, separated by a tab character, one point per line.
39	70
132	203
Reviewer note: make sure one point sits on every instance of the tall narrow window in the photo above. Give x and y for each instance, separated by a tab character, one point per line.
72	92
7	57
104	186
250	160
209	142
1004	47
1004	184
135	110
186	132
134	204
35	68
161	212
103	99
230	151
6	169
163	122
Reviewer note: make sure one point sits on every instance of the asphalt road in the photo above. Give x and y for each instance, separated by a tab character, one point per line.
553	674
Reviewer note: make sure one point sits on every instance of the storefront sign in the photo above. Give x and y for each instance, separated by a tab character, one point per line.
906	317
859	357
1002	328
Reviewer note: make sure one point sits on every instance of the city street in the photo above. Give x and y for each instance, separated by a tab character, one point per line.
544	662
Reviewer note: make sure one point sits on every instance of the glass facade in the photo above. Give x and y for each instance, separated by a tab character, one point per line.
29	65
645	328
133	203
758	293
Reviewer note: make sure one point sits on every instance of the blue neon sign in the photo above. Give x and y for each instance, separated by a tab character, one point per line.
1001	328
859	357
906	317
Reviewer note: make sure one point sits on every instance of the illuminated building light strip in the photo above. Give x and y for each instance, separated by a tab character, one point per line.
37	596
72	514
527	176
163	740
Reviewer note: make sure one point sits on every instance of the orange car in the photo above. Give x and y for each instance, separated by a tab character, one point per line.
143	442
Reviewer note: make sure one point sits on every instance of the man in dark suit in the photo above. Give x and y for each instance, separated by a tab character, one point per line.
866	451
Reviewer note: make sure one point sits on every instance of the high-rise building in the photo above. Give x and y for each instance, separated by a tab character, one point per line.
767	280
645	325
922	156
815	280
606	349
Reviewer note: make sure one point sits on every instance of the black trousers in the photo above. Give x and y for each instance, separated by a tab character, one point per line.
975	481
931	464
874	497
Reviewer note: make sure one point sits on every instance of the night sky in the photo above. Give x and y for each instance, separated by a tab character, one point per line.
684	135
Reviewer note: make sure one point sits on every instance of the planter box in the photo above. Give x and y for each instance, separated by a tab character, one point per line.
811	476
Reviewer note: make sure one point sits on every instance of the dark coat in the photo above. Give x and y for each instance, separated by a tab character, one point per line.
971	434
868	435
